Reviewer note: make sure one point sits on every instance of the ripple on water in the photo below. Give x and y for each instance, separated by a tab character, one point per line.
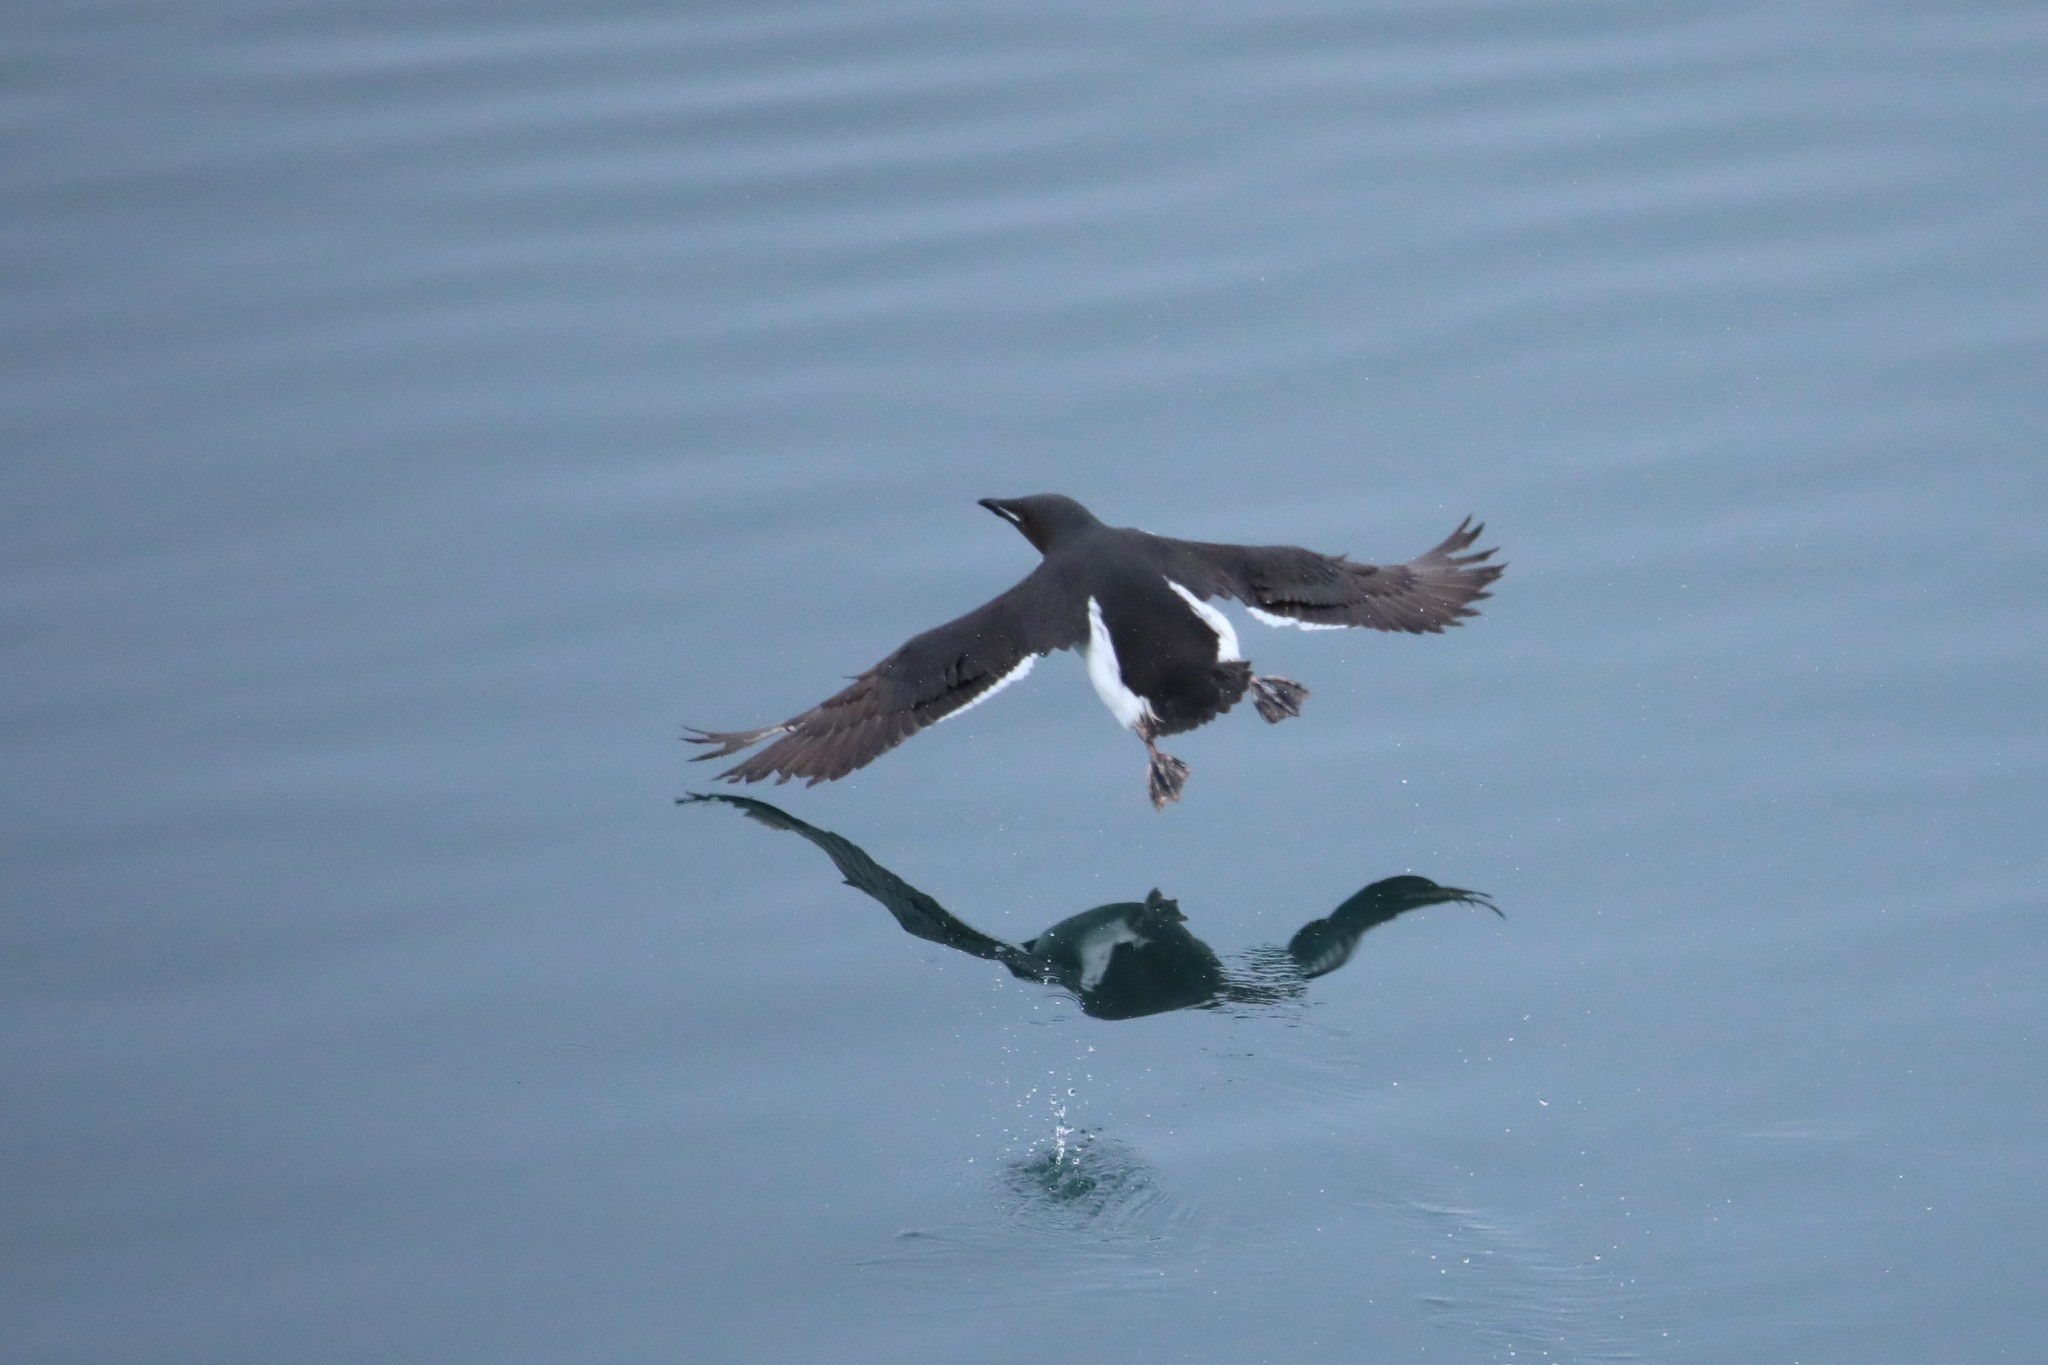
1070	1217
1078	1181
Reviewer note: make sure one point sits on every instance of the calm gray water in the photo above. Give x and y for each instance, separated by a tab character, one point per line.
416	413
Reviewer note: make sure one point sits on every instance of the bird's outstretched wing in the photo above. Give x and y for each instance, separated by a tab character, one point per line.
931	676
916	912
1287	585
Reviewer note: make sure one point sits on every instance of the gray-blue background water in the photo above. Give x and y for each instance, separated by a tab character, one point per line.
415	414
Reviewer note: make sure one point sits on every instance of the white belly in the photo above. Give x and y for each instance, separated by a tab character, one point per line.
1226	634
1127	706
1103	670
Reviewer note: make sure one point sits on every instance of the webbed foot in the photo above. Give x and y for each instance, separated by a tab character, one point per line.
1164	777
1277	698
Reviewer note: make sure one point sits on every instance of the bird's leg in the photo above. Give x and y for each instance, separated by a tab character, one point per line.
1165	775
1277	698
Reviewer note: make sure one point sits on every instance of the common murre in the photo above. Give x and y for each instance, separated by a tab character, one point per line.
1138	607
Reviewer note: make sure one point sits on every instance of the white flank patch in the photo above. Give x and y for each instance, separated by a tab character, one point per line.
1270	619
1226	634
1097	946
998	685
1107	675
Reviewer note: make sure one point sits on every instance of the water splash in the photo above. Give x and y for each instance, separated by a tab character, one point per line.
1078	1180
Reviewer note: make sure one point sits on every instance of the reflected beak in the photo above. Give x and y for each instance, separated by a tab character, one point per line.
1464	897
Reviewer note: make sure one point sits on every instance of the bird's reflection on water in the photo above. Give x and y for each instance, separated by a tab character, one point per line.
1133	958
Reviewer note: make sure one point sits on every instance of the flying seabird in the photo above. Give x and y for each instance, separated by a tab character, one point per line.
1137	606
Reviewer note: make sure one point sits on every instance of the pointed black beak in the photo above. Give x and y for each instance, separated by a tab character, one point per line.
1000	508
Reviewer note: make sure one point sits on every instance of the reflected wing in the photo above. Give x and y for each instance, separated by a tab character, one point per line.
918	913
930	677
1287	585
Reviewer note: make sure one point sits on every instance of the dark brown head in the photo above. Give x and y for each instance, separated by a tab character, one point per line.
1046	519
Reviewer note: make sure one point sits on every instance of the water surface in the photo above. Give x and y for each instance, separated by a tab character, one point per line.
418	414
